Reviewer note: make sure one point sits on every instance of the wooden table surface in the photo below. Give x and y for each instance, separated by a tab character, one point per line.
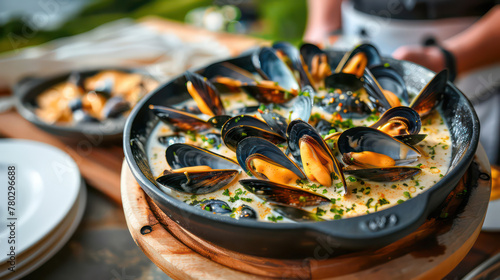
101	165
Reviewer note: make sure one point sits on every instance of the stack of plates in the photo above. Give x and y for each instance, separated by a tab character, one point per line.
50	199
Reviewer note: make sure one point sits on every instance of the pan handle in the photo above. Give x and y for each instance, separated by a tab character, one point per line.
377	228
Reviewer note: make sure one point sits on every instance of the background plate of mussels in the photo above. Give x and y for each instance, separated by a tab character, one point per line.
86	103
302	238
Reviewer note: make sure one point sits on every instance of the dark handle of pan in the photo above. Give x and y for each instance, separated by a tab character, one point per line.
380	227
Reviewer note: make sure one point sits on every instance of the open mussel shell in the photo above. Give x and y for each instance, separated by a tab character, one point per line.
371	52
272	68
374	90
246	110
275	121
297	131
243	120
291	57
197	182
260	148
400	120
308	52
383	174
390	79
205	94
179	119
430	95
185	155
360	139
236	134
296	214
283	194
228	77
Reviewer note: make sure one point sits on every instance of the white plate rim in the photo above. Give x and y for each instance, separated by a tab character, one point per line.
43	254
71	188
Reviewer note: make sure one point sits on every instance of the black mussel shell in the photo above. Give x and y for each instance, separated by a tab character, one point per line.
182	155
293	60
105	87
243	120
272	68
390	79
374	90
298	129
215	206
207	92
179	119
384	174
369	50
257	146
197	182
115	107
264	93
308	52
75	104
77	79
301	108
359	139
283	194
402	113
228	70
236	134
430	95
325	127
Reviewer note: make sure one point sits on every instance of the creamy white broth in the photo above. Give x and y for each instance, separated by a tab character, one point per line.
363	196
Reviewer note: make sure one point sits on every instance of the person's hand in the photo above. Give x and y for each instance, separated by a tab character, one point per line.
431	57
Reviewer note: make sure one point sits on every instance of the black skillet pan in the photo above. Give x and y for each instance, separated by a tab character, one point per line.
314	239
29	88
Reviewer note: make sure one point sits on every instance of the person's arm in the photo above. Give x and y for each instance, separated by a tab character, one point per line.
323	17
476	47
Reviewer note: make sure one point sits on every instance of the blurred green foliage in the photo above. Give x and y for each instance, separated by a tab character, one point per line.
277	19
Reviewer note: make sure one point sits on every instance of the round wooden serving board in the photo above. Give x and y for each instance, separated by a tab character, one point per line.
431	252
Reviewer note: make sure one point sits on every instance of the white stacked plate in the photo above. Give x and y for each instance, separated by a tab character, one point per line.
50	199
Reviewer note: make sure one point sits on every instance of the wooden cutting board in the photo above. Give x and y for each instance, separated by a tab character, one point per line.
101	165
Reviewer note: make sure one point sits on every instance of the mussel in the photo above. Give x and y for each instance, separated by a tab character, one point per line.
179	119
374	155
204	94
430	95
308	148
192	181
399	121
291	56
271	68
355	61
390	79
315	64
245	212
215	206
264	160
196	170
228	77
241	127
283	194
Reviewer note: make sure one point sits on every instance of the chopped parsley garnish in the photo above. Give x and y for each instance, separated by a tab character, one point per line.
383	201
226	192
274	219
370	200
407	195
